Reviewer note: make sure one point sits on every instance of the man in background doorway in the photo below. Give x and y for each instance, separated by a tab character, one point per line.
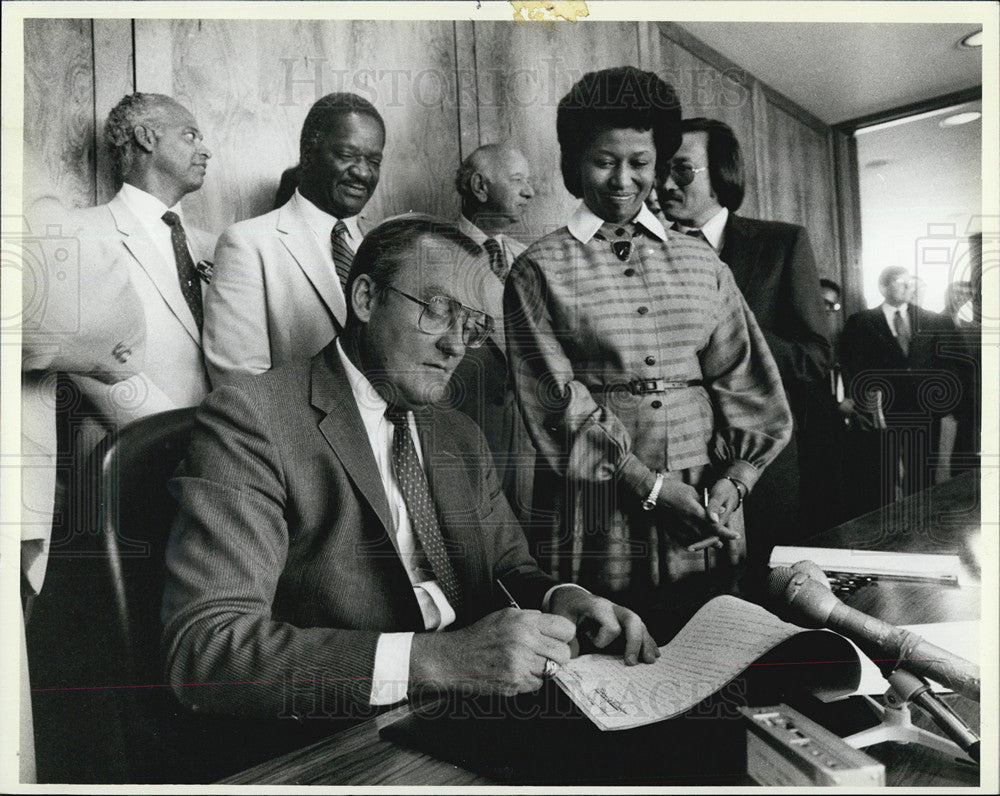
902	382
774	267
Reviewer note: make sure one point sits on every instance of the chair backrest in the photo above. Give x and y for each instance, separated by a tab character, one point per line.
131	469
128	474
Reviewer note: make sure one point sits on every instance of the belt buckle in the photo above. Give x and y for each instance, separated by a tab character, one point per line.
645	386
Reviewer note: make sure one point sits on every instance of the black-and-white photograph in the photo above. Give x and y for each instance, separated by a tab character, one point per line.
500	394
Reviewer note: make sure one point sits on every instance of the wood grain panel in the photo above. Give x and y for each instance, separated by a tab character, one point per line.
468	100
801	184
59	111
251	83
113	79
153	41
522	72
726	95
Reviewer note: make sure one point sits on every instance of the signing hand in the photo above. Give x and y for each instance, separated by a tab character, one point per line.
610	619
503	653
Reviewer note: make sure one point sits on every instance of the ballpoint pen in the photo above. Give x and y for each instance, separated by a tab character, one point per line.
551	667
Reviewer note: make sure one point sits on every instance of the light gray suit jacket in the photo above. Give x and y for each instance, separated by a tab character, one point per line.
273	297
173	375
280	567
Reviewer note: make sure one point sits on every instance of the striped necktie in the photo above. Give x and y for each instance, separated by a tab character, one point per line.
498	264
419	505
343	255
187	274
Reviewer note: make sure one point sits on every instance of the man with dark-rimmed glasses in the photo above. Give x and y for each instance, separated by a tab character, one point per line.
332	518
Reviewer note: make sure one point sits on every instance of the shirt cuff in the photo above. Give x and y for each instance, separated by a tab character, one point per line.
636	476
547	599
743	472
391	676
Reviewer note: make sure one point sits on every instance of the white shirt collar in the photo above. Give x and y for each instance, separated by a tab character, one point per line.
712	229
371	405
146	206
466	227
322	223
585	223
890	315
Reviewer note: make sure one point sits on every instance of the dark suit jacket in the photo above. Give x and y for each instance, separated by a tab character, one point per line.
280	570
915	387
482	390
774	268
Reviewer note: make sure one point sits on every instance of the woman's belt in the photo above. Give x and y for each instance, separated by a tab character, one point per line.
648	386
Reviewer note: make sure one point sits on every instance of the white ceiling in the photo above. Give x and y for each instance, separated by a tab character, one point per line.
840	71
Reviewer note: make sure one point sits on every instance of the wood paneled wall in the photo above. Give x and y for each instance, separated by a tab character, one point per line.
443	88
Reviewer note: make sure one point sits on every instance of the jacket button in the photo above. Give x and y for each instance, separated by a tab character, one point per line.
629	272
642	310
650	360
656	404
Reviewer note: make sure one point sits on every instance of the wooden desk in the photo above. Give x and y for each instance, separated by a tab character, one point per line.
944	519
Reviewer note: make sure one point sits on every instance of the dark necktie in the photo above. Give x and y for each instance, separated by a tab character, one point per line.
902	332
498	263
420	507
186	272
343	255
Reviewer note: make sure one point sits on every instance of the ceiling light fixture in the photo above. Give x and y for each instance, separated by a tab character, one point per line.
974	39
960	118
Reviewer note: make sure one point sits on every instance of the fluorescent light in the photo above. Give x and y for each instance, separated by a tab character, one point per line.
974	39
960	118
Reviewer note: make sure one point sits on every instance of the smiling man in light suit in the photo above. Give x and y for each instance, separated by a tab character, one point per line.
160	157
277	293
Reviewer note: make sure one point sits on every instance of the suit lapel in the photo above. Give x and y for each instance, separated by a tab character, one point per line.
343	429
301	244
453	494
739	249
165	279
881	324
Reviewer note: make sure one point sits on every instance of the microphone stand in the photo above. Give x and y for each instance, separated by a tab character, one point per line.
896	724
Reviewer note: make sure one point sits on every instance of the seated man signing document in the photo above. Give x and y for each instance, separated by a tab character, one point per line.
333	521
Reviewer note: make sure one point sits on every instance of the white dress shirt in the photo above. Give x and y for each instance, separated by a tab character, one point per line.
392	654
149	210
714	229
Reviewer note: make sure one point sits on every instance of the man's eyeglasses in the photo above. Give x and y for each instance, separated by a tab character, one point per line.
683	174
832	306
441	313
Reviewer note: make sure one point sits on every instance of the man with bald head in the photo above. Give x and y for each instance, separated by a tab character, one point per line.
159	156
494	183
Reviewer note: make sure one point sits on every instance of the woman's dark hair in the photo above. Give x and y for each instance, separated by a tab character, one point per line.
725	160
611	99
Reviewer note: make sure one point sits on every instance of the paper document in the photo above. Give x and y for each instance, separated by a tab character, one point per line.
718	643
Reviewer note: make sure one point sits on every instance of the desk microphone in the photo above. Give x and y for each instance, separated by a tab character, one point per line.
808	603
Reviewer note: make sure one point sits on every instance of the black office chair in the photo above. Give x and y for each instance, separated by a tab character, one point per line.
106	714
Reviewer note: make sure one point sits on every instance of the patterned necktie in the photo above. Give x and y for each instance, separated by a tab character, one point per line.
902	332
186	272
498	263
420	507
343	255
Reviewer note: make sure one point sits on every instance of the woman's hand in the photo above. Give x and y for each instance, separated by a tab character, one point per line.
681	502
723	500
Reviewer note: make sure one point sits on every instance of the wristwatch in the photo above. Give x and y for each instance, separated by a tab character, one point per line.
650	502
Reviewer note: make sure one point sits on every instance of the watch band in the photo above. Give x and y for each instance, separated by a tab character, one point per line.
650	502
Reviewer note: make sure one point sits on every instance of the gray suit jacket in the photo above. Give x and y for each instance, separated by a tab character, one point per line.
273	297
281	569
